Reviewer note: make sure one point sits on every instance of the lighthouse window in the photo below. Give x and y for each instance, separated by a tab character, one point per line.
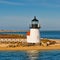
34	22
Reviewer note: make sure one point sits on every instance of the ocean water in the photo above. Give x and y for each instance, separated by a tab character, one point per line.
43	34
50	34
33	54
30	55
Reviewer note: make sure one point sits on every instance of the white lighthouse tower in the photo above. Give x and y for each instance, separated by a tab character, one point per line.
34	35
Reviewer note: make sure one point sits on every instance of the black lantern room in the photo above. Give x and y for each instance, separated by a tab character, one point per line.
35	23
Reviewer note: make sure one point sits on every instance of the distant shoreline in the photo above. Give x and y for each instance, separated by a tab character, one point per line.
13	30
23	30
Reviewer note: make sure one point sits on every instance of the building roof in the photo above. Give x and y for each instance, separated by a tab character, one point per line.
34	19
28	33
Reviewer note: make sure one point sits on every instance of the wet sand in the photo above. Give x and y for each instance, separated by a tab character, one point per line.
52	47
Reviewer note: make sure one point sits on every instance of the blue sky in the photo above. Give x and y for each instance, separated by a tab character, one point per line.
17	14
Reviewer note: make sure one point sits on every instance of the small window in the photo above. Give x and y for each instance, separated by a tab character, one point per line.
35	22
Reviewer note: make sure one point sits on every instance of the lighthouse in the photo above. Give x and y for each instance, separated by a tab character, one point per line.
33	36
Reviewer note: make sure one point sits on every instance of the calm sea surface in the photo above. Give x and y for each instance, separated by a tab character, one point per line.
33	55
30	55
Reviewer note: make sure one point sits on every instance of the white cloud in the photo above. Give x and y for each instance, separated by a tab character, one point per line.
45	3
11	3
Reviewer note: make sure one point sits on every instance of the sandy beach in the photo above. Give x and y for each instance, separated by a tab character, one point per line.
53	47
50	47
